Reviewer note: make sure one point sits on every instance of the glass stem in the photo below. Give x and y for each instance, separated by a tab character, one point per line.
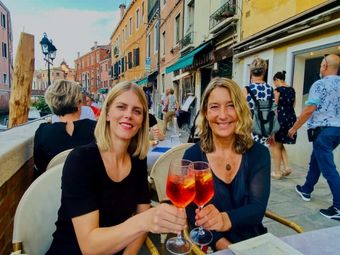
200	228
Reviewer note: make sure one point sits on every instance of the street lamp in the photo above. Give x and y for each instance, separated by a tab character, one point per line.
50	52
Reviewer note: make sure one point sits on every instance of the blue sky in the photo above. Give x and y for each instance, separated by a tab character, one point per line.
73	25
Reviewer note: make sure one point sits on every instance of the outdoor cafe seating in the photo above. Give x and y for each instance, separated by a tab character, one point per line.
158	177
36	214
42	200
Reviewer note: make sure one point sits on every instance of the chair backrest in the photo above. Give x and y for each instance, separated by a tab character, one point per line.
159	171
58	159
36	214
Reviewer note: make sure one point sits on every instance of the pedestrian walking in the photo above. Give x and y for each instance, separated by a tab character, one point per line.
171	105
323	115
163	101
285	101
260	90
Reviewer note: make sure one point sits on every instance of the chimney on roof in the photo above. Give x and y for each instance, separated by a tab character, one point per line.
122	8
95	44
78	54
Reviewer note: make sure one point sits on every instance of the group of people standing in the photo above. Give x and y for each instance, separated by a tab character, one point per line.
283	98
105	202
323	116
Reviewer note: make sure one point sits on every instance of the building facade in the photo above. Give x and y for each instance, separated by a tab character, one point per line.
104	69
292	36
171	34
87	68
6	59
40	77
128	43
209	30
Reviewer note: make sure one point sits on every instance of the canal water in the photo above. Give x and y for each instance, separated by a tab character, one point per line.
3	118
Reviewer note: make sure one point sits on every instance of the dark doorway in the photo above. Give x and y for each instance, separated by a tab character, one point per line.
205	78
312	70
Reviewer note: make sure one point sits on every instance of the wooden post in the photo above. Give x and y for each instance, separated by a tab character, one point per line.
20	99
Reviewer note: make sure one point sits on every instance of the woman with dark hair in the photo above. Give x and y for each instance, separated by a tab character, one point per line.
260	89
285	101
64	99
240	166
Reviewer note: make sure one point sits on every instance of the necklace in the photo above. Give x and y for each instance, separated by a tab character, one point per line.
228	167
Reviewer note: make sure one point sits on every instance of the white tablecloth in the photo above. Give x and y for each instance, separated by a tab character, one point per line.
154	155
322	241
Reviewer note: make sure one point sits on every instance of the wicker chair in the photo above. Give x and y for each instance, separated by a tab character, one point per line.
158	176
36	214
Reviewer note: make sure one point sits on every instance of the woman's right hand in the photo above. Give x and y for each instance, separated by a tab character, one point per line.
165	218
212	219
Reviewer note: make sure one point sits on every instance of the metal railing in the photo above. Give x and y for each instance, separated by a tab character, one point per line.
152	12
186	40
227	10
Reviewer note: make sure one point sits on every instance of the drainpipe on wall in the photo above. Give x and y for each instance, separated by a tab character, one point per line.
159	57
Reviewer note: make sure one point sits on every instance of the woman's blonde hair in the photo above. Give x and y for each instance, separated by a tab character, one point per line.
243	139
139	144
258	67
63	97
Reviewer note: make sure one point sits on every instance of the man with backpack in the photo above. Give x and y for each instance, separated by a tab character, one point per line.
322	111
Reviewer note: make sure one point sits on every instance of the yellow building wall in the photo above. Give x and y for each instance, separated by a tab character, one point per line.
257	15
299	153
137	39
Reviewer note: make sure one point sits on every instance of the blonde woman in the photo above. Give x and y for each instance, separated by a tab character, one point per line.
64	99
240	166
105	204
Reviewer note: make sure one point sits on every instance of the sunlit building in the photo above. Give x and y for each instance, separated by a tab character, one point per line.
6	59
87	67
293	36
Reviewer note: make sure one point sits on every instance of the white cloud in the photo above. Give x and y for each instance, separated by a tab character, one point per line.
71	30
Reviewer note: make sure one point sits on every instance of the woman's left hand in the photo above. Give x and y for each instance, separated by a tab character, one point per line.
212	219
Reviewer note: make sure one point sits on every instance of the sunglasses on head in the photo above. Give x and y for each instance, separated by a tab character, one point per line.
325	58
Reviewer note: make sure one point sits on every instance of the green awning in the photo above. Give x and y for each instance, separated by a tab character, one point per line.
103	90
186	60
142	81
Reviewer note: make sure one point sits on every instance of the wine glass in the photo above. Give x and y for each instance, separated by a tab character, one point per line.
204	192
180	189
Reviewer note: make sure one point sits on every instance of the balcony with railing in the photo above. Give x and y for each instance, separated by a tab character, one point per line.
116	51
186	41
222	14
152	9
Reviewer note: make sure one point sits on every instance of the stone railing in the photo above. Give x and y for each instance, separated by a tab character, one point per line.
16	174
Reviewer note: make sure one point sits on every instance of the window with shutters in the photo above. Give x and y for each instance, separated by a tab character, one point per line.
130	60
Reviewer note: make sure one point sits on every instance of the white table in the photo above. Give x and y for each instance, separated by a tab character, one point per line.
154	155
324	241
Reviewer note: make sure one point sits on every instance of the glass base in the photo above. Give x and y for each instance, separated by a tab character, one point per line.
201	236
178	246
